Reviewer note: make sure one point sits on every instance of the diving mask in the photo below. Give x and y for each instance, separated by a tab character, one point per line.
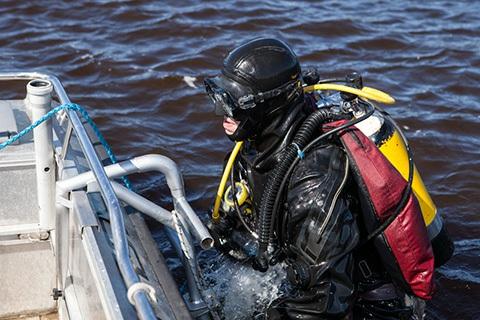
226	104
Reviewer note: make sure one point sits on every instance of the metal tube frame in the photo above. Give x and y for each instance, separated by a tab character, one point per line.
196	304
146	163
141	302
188	220
143	205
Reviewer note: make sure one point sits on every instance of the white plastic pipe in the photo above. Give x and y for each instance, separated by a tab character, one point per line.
39	99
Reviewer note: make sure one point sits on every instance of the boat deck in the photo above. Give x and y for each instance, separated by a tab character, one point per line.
18	195
24	252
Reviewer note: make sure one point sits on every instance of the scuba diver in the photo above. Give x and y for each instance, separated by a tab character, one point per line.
322	179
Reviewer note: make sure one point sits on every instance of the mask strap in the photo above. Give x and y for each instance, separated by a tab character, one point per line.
251	100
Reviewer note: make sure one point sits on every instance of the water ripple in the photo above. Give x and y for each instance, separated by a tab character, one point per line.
126	61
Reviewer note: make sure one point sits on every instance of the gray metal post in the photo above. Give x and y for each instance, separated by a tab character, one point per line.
198	307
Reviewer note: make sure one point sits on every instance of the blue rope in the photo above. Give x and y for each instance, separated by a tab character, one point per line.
50	114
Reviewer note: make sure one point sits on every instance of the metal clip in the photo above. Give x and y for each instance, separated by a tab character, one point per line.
141	286
365	269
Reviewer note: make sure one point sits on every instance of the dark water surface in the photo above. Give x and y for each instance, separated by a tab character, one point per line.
126	61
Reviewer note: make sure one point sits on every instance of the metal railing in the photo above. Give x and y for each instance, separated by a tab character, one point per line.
147	163
182	222
141	302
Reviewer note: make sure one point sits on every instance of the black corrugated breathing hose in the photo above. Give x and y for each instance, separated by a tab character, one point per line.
304	135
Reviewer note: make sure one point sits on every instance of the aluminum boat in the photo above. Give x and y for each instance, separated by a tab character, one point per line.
73	241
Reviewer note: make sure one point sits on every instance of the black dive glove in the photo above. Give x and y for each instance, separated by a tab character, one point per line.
232	240
220	231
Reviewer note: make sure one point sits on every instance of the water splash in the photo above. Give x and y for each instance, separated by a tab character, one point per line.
190	81
242	292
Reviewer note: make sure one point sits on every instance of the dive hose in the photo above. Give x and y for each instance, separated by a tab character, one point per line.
223	182
365	92
292	151
344	126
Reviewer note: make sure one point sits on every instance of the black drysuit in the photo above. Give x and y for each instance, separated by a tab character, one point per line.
316	228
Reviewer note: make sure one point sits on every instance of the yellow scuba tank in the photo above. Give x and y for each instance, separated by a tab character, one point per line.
381	129
383	133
